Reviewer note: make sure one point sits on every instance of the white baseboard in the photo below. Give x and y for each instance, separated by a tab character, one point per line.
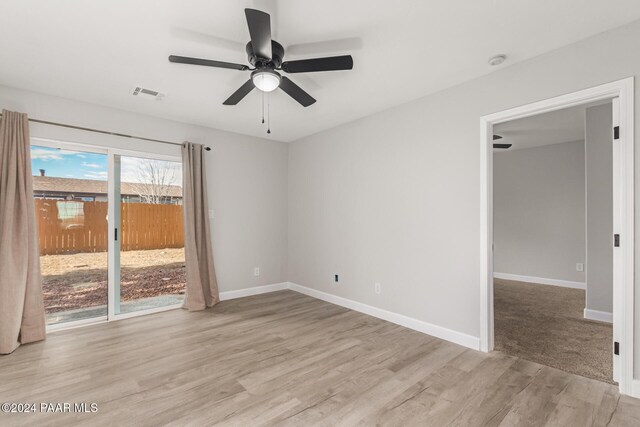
399	319
540	280
601	316
635	388
257	290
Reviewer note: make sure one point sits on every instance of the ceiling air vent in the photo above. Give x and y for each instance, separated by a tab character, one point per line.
147	93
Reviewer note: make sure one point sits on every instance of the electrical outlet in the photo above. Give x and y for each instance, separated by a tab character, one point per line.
211	216
335	278
377	288
579	266
256	271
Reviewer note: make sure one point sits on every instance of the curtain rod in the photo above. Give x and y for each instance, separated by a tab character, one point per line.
45	122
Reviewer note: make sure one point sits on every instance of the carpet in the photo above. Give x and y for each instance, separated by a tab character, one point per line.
545	324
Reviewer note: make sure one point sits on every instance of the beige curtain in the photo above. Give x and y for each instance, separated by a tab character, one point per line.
202	288
21	303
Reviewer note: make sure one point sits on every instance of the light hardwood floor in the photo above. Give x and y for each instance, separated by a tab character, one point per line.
285	358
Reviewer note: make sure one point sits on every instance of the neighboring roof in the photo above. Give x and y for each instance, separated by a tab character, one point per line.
50	184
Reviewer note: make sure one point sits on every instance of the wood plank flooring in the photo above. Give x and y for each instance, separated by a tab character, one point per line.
288	359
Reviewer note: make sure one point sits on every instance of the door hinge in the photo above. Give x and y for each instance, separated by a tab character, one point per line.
616	240
616	348
616	132
115	234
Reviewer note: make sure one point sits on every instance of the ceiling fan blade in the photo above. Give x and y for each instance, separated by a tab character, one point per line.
502	145
496	137
325	47
332	63
206	39
206	62
260	31
296	92
240	93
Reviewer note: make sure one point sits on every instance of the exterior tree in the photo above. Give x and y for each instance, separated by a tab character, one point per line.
155	181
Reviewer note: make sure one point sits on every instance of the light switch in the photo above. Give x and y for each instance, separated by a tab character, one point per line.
210	213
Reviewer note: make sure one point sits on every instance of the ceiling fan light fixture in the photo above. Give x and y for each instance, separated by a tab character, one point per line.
266	80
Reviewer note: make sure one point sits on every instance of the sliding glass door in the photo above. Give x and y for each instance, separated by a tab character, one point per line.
151	246
110	232
71	203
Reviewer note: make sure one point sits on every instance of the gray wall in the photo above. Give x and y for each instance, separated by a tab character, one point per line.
395	197
599	165
539	211
247	178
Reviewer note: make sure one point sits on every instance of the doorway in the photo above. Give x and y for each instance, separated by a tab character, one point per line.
110	232
621	94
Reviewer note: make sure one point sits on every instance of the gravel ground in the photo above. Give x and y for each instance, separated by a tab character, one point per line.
80	280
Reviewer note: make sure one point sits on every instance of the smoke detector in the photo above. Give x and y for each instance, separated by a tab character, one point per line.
497	60
141	92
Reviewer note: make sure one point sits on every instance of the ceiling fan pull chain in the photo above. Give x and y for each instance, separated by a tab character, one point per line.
268	115
262	107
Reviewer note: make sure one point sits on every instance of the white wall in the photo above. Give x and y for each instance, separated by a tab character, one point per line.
539	211
599	167
395	197
247	178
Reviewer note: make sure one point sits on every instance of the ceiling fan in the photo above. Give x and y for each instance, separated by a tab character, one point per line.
500	145
266	56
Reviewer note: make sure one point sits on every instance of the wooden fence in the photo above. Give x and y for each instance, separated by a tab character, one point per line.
66	227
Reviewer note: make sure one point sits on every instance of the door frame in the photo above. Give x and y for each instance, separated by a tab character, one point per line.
623	215
73	146
112	271
114	245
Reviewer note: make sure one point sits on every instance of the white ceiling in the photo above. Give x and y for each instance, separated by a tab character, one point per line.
98	50
556	127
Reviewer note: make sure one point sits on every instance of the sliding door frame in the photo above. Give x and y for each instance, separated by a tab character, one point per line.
113	252
114	245
623	216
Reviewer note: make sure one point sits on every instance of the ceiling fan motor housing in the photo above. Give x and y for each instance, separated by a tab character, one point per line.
277	53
